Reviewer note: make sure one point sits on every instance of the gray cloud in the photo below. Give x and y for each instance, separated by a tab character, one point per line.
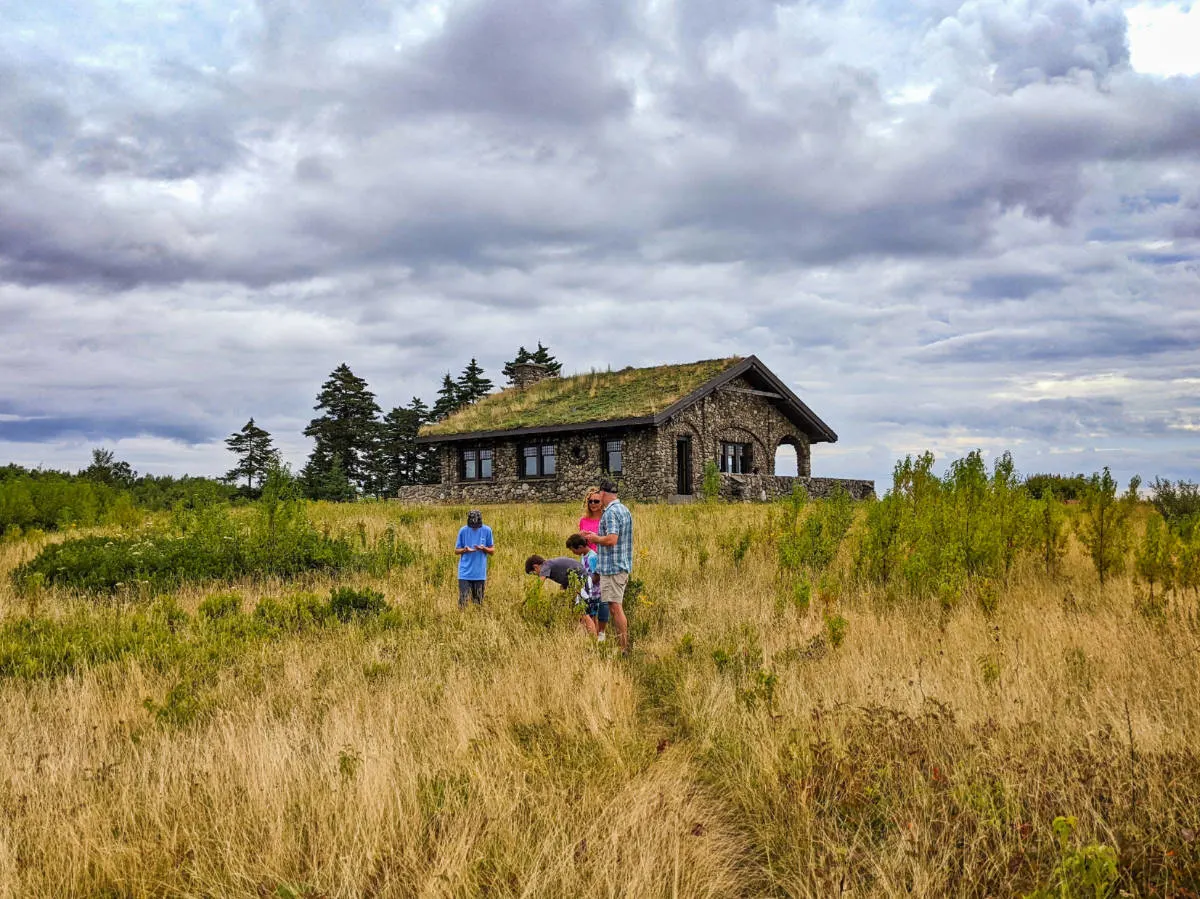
195	227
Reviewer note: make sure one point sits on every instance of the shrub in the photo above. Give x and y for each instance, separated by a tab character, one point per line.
207	544
1103	525
710	483
220	605
347	603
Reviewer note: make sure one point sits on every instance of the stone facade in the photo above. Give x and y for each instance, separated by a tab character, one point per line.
652	468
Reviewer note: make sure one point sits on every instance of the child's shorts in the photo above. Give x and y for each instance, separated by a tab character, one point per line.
594	607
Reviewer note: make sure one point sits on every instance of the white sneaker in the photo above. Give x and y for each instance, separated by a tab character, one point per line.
600	637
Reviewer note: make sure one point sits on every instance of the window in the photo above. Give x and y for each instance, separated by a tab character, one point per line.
476	464
735	458
612	455
538	461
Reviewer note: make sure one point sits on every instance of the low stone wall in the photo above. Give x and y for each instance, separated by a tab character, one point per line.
735	487
766	487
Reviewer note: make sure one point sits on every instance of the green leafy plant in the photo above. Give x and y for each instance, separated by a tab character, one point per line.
348	603
1083	871
1103	524
710	482
836	628
1154	560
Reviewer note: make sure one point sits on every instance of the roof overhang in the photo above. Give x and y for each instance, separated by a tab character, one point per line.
789	404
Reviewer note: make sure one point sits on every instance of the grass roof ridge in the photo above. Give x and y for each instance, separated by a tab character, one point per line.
583	397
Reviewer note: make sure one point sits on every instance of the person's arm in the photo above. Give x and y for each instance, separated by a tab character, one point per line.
489	547
460	547
606	540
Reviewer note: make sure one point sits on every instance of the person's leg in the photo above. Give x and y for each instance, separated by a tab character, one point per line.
477	588
464	590
587	623
602	618
612	591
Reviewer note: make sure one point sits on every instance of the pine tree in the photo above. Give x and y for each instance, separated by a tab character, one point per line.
1154	560
523	355
347	431
252	446
471	384
543	356
400	456
449	399
327	480
1103	523
107	469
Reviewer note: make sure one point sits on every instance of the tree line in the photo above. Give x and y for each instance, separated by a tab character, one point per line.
358	450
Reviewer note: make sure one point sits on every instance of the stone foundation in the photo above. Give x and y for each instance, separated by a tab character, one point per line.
764	488
734	487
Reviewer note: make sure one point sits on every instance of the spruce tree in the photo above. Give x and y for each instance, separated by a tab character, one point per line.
400	456
523	355
1103	523
472	384
543	356
347	431
252	446
449	399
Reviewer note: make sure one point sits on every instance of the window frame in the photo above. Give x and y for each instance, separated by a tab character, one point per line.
540	452
736	457
606	454
477	455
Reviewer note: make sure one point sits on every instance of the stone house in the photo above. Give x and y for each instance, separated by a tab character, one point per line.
546	439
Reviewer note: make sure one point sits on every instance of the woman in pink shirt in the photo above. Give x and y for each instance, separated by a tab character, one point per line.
590	522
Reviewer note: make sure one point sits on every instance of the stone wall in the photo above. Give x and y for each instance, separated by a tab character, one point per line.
579	465
734	413
734	487
763	488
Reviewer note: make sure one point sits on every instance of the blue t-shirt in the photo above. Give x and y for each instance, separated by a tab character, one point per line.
473	566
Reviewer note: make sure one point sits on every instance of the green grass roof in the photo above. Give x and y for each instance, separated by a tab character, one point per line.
596	396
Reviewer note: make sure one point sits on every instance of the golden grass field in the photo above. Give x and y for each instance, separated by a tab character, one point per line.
736	752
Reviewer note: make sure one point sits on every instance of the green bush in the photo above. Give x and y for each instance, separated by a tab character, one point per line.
206	543
347	603
162	637
220	605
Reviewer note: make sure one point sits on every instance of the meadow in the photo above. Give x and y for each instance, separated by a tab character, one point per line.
793	719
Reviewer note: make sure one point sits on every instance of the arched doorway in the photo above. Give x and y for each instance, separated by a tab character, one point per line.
787	460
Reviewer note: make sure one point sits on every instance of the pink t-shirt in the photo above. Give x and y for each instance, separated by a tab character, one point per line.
591	525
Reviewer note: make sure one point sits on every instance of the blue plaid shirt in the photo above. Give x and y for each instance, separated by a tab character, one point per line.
615	559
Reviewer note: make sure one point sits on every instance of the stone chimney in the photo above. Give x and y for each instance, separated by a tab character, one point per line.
525	374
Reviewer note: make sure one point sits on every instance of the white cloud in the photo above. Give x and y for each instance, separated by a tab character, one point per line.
1163	38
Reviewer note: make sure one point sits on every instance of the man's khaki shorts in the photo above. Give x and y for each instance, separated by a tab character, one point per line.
612	587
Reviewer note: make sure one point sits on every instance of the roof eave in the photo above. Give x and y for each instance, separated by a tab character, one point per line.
817	430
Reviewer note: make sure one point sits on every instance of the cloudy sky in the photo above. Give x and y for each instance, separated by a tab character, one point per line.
945	224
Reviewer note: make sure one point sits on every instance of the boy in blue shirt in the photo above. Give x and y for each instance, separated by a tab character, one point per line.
473	547
595	612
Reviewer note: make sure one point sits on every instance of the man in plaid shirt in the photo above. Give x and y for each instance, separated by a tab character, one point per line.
614	542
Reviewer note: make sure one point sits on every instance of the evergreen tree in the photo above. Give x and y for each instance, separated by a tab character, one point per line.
255	454
523	355
1103	523
1154	560
326	479
471	384
543	356
449	399
400	457
347	431
107	469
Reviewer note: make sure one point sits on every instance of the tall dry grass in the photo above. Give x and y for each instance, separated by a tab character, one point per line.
736	752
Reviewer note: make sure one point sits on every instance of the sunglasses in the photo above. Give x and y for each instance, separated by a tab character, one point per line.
593	502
